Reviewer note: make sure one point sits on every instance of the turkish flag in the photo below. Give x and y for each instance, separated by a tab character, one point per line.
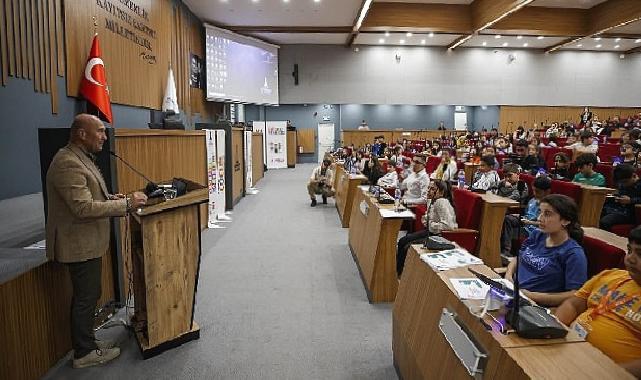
94	82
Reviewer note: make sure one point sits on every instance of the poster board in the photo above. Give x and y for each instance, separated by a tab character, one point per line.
215	142
248	160
276	143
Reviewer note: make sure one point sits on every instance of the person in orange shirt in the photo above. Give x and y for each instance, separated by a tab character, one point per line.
607	310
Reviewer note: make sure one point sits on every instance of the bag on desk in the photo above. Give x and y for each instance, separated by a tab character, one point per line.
438	244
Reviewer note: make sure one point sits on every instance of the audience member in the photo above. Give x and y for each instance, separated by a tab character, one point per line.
620	209
321	182
561	169
447	168
606	309
586	145
585	164
533	162
390	179
515	225
510	186
552	263
440	216
416	183
485	178
373	170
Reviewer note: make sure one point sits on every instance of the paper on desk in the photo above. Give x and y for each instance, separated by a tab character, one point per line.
470	288
451	258
364	187
390	213
39	245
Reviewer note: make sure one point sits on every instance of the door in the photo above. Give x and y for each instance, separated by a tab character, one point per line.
460	121
325	139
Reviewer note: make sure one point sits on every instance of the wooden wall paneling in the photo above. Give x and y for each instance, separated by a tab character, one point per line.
35	45
3	45
59	39
238	164
10	36
546	21
47	47
15	6
29	38
451	18
52	54
307	139
41	47
22	20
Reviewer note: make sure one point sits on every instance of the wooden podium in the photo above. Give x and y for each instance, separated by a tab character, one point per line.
165	250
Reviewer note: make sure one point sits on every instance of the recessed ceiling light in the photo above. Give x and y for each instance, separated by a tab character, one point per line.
598	39
422	42
386	34
505	44
617	40
617	46
598	46
497	36
525	44
431	35
317	1
401	41
484	43
637	41
284	1
579	45
381	40
408	34
519	37
540	37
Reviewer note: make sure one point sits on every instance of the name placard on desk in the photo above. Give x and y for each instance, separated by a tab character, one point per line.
364	207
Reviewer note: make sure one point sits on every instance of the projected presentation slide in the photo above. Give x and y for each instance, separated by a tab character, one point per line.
240	69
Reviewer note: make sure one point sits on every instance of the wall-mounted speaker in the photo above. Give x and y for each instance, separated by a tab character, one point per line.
295	74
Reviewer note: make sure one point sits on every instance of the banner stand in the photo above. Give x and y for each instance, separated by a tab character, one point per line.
215	143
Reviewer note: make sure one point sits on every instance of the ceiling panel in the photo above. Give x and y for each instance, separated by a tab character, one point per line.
276	12
395	39
426	1
304	38
632	28
585	4
513	42
604	44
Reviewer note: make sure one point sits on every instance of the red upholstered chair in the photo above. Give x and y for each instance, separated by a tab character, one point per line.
468	206
601	255
608	151
432	164
624	229
460	165
608	172
570	189
419	211
529	180
561	141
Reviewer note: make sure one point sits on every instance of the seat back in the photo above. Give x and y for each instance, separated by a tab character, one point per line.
468	206
432	164
601	255
529	180
608	151
608	172
570	189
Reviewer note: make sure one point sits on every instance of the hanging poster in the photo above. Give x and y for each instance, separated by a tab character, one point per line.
259	126
248	160
220	165
212	176
276	144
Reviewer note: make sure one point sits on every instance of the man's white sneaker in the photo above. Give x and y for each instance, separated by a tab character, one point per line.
96	357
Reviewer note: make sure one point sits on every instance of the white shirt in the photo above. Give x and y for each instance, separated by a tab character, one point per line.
388	180
415	186
449	174
317	176
440	216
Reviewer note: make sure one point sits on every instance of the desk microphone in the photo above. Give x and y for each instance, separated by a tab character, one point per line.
151	190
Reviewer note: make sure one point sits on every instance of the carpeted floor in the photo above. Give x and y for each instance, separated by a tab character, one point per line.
279	297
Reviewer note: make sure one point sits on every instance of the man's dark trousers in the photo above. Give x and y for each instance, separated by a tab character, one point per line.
85	277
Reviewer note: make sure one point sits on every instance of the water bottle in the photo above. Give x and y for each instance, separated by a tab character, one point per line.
397	199
540	173
461	179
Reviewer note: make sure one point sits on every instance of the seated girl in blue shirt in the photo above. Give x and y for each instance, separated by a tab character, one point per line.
552	264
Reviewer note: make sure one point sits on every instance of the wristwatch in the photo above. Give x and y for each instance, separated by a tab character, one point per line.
128	200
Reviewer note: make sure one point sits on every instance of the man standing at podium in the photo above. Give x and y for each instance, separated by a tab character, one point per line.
78	211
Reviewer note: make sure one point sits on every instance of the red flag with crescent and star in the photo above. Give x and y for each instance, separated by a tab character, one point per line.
94	82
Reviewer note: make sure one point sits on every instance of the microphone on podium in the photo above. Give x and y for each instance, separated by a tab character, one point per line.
151	190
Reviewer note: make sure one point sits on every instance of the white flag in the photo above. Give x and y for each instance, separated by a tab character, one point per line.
170	102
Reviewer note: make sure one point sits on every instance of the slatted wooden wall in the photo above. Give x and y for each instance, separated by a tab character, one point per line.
511	117
32	45
41	40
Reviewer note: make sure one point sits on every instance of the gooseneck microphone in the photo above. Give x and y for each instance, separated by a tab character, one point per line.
151	189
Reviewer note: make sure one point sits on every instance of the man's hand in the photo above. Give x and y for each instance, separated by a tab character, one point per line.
119	196
624	200
138	199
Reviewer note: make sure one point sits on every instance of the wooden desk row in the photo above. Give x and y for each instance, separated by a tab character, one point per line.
421	350
346	188
372	240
